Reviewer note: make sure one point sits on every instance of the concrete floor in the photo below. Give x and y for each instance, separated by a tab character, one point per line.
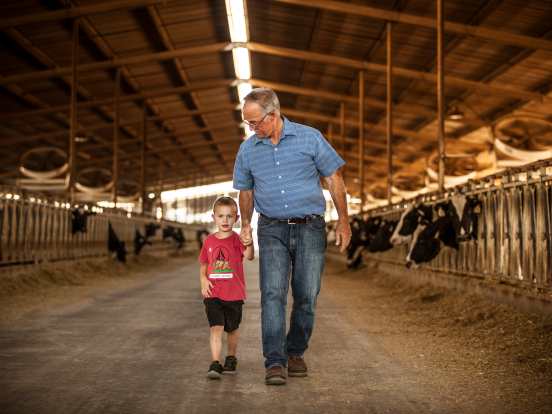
146	350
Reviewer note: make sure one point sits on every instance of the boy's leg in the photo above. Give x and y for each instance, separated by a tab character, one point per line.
215	340
231	363
232	320
232	340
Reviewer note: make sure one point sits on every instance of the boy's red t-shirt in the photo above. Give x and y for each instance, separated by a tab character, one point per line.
225	266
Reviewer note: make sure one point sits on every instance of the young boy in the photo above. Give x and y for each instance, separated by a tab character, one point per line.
223	284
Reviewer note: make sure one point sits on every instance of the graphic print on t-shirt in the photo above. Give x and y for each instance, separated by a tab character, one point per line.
221	266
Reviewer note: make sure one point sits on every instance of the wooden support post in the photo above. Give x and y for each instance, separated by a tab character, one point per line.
176	172
116	138
389	111
161	157
361	136
143	153
73	122
441	94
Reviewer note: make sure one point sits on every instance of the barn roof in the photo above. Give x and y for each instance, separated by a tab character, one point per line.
173	61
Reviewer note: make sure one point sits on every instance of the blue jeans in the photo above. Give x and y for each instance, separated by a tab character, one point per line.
297	250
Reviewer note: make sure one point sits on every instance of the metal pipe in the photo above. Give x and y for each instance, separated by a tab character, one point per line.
389	111
176	172
441	94
161	156
143	152
73	121
116	137
361	135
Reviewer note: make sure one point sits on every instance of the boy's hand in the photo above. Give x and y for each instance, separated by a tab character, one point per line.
245	235
246	241
206	286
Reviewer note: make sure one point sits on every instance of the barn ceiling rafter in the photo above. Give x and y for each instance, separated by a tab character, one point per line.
178	87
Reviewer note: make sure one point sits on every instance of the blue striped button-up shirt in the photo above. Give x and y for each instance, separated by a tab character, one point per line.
285	177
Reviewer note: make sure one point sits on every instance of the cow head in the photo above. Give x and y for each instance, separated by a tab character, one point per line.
409	221
466	210
427	239
381	242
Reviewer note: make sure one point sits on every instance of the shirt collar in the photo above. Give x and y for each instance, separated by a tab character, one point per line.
288	129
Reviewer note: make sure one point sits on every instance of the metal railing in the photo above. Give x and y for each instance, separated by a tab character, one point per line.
37	230
513	240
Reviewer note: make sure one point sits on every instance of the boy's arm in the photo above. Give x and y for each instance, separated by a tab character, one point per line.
206	284
249	252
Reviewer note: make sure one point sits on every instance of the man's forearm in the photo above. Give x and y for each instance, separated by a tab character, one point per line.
245	200
337	190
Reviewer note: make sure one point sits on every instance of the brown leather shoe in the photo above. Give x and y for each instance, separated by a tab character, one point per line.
296	367
275	376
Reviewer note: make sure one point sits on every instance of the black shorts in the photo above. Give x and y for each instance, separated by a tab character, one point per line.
224	313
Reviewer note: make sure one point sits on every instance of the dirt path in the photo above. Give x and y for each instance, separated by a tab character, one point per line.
482	356
99	336
64	283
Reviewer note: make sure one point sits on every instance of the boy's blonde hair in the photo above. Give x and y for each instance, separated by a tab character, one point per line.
225	201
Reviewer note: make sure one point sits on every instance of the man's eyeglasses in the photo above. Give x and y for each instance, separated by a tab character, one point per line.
256	124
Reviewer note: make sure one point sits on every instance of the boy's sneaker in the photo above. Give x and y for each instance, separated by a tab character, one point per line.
215	370
230	366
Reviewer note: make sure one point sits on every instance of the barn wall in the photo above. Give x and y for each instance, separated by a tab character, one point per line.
35	231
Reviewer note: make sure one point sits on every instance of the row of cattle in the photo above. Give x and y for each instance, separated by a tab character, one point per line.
79	219
425	227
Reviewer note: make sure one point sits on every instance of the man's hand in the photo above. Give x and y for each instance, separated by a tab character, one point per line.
245	235
343	234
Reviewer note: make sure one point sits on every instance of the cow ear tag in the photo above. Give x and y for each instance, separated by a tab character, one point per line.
477	209
441	212
419	219
437	235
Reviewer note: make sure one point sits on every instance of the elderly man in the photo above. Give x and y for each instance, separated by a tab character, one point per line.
277	173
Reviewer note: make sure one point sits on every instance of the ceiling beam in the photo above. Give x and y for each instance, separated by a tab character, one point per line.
413	109
368	126
107	125
197	86
285	52
115	63
499	36
64	14
407	73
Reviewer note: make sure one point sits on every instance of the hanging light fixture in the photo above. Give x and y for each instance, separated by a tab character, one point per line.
455	114
239	33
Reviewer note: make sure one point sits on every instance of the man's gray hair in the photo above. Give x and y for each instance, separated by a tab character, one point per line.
266	98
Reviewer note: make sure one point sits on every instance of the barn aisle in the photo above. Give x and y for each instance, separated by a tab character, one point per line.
145	350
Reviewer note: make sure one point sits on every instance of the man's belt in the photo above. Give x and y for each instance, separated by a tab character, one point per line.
294	220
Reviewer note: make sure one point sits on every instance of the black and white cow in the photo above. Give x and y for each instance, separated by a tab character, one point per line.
363	232
411	218
465	212
139	242
79	220
201	236
151	228
380	242
429	237
176	234
115	245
